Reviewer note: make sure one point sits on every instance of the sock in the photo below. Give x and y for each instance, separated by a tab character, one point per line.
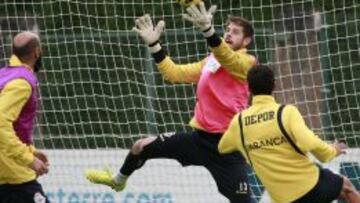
132	162
120	178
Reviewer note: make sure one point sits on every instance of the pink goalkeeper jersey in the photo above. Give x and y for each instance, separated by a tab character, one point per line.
219	97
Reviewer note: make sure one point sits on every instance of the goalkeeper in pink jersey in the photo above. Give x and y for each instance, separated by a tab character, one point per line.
222	91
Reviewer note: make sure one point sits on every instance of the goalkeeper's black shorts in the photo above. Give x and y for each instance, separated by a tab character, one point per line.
326	190
200	148
29	192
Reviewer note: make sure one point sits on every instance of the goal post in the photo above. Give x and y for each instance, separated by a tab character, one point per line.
100	89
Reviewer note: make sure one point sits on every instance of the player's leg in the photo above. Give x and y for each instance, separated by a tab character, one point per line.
132	162
30	192
143	149
134	158
11	198
35	191
231	177
228	171
175	146
349	192
5	194
321	192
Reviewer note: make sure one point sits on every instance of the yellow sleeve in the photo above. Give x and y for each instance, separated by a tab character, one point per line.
12	99
238	63
305	138
176	73
32	149
231	141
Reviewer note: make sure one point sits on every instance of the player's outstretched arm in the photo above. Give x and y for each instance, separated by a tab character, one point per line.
172	72
148	32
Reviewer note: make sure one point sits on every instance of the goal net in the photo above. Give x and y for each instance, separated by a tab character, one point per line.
101	91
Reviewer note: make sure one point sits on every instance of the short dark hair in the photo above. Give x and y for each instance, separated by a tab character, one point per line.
245	24
24	51
261	80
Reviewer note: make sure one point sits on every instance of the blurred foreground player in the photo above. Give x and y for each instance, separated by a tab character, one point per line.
275	140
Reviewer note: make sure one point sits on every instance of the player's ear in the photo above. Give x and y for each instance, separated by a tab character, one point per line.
37	52
247	41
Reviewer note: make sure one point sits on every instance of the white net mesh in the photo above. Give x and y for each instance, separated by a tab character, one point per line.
100	88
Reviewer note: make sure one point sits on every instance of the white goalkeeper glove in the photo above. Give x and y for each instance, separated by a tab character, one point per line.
149	33
201	18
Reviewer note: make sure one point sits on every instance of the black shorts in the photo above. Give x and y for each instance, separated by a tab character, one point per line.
326	190
201	148
29	192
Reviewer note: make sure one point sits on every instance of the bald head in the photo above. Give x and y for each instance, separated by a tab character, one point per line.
26	45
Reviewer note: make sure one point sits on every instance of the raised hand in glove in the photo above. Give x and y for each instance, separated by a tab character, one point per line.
149	33
201	18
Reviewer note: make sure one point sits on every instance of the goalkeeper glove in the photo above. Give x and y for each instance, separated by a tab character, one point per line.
201	18
149	33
